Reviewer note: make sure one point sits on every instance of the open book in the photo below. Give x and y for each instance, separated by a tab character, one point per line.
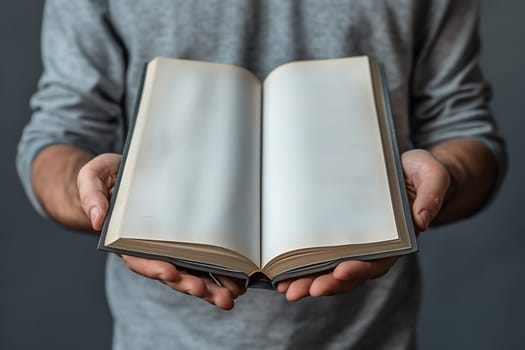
261	180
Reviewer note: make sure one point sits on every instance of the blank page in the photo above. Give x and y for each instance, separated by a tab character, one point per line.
193	169
324	174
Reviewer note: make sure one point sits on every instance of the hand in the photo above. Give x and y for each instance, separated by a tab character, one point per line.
428	182
96	181
345	277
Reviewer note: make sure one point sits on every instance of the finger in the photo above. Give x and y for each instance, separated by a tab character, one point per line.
155	269
362	270
167	274
93	194
329	285
189	284
282	286
235	287
430	193
299	288
93	199
94	182
217	295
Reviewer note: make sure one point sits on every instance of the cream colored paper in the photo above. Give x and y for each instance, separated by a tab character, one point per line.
193	171
324	175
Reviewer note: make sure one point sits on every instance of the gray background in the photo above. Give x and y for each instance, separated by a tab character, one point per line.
51	280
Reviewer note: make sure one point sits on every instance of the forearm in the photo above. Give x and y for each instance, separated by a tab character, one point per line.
54	178
473	171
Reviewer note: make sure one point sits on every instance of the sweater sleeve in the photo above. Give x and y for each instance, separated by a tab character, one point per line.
450	98
79	95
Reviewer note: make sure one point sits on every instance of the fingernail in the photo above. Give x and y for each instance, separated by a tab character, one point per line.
94	213
425	216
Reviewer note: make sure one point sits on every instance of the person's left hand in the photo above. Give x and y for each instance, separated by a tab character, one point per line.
427	181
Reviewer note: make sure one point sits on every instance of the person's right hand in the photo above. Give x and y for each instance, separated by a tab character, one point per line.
95	181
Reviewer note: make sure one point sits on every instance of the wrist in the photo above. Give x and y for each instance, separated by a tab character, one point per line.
455	178
54	175
472	171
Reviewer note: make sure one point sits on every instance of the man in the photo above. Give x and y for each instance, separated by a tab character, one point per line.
94	52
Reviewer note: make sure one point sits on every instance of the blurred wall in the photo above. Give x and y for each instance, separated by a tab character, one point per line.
51	280
51	286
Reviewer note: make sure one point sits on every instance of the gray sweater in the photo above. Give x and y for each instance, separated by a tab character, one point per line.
94	52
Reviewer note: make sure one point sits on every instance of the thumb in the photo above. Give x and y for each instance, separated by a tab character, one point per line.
429	198
93	198
95	180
